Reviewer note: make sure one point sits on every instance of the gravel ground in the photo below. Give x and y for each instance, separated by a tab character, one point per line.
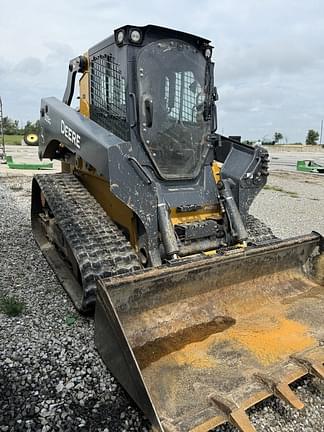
297	209
51	378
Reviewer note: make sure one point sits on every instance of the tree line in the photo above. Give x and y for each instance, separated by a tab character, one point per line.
11	127
312	137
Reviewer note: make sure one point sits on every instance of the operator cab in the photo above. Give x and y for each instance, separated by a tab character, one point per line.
170	94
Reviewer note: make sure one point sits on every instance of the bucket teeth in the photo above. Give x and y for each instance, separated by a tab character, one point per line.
240	419
281	390
235	415
313	367
168	425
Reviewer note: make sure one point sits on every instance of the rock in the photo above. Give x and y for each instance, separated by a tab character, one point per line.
69	385
80	395
59	387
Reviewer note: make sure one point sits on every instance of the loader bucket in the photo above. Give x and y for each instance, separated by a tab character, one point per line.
197	343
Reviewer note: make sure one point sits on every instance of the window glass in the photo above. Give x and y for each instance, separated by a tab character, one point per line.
172	96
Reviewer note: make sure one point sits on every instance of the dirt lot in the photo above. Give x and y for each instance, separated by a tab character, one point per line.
292	203
28	154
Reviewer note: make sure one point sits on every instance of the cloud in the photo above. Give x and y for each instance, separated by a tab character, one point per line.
58	52
269	55
28	66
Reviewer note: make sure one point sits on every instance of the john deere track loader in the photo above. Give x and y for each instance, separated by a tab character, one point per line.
200	311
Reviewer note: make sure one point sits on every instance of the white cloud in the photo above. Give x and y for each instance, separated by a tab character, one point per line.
28	66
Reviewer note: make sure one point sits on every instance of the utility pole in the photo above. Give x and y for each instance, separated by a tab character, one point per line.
321	135
2	143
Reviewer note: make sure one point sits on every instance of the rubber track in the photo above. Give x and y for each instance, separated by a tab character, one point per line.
99	247
258	232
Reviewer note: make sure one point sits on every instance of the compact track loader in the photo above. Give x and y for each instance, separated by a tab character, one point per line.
200	311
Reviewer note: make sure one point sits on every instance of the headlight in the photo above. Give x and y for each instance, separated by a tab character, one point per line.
120	36
208	52
135	36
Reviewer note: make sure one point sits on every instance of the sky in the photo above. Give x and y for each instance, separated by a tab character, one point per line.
268	54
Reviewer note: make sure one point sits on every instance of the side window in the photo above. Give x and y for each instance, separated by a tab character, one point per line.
183	95
108	95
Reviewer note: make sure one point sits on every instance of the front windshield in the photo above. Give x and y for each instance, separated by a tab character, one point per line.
172	88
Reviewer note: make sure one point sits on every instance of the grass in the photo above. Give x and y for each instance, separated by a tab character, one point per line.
280	189
11	306
70	320
13	139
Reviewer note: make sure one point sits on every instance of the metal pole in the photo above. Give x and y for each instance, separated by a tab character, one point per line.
321	132
2	143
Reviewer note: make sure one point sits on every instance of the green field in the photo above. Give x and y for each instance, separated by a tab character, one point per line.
13	139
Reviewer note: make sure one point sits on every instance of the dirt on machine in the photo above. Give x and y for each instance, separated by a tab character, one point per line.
200	311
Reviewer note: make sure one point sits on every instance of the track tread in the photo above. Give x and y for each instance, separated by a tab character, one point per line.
258	232
99	247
